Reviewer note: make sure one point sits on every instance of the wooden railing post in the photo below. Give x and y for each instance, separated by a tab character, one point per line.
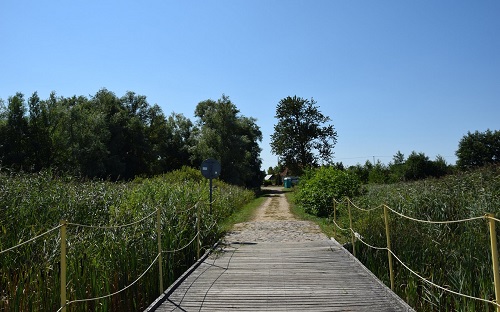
63	224
158	233
494	256
335	218
198	243
389	254
353	238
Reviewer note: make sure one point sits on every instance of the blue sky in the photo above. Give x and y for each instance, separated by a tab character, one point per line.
392	75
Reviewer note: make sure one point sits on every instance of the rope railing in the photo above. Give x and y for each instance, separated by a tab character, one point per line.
198	201
493	218
434	222
62	227
423	278
362	209
30	240
183	247
109	227
355	236
114	293
190	242
136	280
339	227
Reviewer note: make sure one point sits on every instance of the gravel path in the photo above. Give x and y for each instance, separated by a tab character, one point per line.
273	222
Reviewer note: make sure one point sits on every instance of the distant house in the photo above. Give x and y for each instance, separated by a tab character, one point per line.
269	177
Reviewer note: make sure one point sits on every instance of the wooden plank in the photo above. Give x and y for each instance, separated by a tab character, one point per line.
278	276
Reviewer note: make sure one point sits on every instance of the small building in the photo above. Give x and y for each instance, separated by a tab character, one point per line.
269	177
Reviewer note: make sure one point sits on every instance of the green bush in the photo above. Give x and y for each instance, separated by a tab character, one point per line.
267	182
319	187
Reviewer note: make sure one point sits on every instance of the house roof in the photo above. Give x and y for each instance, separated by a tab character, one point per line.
268	177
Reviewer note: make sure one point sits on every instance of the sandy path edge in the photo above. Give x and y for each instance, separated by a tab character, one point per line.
273	222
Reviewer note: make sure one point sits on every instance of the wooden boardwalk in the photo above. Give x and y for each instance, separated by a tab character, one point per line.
279	276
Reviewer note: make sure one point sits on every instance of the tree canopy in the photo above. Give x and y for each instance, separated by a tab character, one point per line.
110	137
478	149
302	137
233	139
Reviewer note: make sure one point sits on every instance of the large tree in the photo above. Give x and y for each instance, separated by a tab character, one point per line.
14	145
222	133
302	137
478	149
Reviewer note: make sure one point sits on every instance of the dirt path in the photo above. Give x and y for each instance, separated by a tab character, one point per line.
273	222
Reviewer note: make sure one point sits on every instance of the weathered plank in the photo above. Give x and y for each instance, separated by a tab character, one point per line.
278	276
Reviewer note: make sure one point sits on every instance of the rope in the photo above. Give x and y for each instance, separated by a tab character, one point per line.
183	247
114	226
341	228
358	237
192	240
433	222
441	287
339	202
362	209
30	240
424	279
115	293
195	205
192	207
492	218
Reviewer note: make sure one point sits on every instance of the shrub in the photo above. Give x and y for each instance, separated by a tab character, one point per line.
319	187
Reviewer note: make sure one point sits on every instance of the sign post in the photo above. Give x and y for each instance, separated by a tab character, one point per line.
210	169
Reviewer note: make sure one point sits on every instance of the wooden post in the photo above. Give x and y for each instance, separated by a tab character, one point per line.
335	218
494	256
353	238
198	217
63	224
158	233
389	254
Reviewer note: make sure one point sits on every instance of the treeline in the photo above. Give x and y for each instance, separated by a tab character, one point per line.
475	150
118	138
416	167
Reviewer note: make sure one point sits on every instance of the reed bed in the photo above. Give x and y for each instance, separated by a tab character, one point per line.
103	260
456	256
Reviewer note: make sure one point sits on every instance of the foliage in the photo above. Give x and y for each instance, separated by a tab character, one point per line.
416	167
103	136
230	138
478	149
319	187
456	255
301	137
103	261
120	138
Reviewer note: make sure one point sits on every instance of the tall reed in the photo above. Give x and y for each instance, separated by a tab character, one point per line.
456	256
100	260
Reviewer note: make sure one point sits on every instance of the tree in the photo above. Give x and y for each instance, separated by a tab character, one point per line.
232	139
379	173
302	136
14	147
3	130
478	149
397	167
178	141
39	147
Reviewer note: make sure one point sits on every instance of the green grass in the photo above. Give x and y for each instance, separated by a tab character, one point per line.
244	214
